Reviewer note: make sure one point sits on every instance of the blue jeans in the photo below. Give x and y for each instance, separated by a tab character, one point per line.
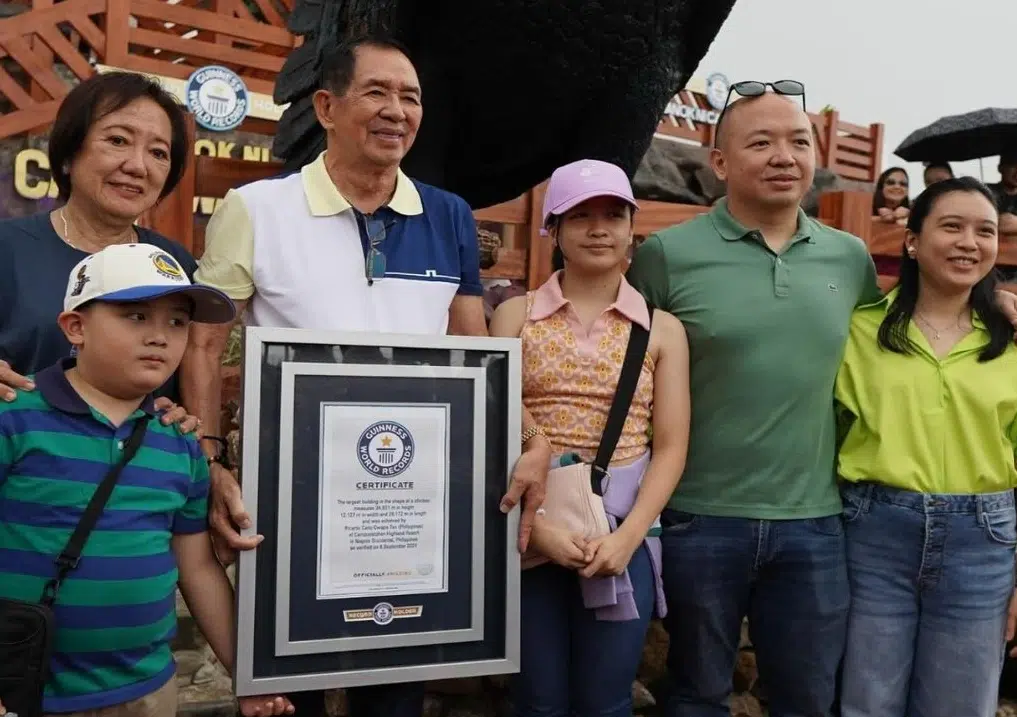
573	664
788	576
931	579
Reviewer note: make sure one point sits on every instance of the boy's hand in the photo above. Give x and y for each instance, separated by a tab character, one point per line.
265	705
3	710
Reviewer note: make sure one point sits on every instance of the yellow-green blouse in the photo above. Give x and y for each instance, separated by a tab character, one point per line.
921	423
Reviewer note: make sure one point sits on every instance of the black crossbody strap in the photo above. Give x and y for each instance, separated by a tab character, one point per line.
71	554
628	379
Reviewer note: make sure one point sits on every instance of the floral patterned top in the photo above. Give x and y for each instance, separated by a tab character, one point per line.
569	376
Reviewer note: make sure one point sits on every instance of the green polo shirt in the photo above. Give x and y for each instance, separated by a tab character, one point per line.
766	334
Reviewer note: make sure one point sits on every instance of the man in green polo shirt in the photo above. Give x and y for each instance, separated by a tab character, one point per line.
754	528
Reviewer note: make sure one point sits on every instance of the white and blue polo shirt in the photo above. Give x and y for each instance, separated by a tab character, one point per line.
296	249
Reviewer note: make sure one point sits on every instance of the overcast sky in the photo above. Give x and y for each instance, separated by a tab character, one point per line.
904	63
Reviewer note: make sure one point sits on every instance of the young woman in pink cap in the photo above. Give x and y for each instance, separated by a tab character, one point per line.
586	611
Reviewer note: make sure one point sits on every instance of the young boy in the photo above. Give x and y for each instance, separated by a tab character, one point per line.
126	313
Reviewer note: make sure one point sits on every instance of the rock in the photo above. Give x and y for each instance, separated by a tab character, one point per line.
433	706
213	698
188	663
745	706
654	662
335	703
465	686
746	673
208	672
676	172
641	697
499	682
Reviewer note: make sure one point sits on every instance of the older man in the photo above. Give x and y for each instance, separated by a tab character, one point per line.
754	528
348	243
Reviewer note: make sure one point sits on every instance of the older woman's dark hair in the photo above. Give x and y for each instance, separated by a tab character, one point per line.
97	97
893	332
878	200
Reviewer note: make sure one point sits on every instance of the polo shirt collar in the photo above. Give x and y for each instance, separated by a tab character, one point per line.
731	230
324	200
548	299
887	301
56	390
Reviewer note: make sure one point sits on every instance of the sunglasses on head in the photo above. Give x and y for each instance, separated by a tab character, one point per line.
754	88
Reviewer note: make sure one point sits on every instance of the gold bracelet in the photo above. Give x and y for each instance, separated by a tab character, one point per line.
532	432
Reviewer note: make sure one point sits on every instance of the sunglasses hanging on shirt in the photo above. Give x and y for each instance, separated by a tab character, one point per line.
376	231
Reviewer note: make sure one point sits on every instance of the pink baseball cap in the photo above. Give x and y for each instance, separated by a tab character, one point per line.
574	183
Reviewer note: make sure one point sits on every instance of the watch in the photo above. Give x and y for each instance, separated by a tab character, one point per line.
531	432
222	457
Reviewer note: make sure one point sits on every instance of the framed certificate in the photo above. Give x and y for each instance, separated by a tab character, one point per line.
374	465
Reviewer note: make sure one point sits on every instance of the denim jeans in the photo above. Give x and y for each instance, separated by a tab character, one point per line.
931	578
788	576
573	664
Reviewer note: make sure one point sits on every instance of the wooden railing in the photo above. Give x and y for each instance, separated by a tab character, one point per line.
848	150
151	36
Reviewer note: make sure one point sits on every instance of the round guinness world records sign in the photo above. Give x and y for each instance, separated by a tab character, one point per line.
217	98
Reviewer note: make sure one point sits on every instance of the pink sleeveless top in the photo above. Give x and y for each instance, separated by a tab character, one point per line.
569	377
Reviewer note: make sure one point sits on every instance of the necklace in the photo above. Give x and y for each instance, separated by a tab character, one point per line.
67	233
936	333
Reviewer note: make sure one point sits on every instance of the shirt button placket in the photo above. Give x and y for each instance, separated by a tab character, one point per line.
781	278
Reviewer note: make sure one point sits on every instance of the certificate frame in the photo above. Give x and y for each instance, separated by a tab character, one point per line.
332	661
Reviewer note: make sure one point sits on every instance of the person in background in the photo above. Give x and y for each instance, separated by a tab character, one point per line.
890	200
118	145
927	400
1005	190
890	204
401	257
580	651
936	172
1008	240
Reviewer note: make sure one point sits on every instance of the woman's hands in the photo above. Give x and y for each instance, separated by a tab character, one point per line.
610	555
559	545
11	382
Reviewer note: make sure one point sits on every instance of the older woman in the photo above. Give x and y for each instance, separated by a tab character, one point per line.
118	146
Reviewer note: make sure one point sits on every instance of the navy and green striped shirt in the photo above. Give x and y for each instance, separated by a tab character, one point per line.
115	614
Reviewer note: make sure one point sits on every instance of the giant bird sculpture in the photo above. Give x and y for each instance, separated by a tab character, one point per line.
511	88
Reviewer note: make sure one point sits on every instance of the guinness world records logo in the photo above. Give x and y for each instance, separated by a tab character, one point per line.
385	449
217	98
717	87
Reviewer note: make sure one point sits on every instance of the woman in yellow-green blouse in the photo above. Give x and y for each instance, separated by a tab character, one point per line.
928	397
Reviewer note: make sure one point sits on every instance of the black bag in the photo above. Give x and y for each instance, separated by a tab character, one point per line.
27	629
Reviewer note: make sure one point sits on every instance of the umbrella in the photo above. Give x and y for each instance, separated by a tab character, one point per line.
983	133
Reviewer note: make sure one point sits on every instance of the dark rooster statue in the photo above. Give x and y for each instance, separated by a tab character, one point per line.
511	88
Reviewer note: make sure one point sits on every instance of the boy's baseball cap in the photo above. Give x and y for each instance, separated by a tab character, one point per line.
140	272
